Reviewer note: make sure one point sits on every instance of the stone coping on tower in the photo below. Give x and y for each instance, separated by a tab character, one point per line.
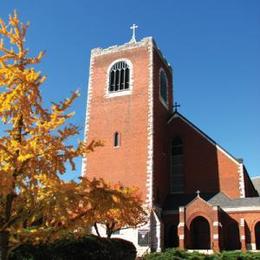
130	45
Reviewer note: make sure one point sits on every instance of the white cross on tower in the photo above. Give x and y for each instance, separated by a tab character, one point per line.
133	27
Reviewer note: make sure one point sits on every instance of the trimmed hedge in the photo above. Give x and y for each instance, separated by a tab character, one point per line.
90	248
175	254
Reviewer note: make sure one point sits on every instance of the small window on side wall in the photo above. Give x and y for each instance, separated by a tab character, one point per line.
116	139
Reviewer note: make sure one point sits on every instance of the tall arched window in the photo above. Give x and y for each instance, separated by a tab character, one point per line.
163	87
119	77
177	175
116	139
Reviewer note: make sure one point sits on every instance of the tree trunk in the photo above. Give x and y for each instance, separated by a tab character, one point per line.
109	233
4	247
96	229
110	229
5	235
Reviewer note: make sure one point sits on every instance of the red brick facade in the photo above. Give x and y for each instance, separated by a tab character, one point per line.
211	170
144	157
126	114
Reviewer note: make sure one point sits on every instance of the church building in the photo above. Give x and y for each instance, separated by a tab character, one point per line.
199	195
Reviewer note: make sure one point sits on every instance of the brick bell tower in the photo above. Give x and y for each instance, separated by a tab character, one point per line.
129	101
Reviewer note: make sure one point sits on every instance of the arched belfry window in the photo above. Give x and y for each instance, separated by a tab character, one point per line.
119	76
163	87
177	174
116	139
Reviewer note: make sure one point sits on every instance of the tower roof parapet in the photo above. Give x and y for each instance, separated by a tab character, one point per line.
129	45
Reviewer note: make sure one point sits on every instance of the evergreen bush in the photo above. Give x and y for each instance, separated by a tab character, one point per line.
89	248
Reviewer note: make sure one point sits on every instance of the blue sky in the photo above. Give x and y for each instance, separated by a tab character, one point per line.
212	45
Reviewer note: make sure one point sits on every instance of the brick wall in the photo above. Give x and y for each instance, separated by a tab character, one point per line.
124	114
206	168
161	143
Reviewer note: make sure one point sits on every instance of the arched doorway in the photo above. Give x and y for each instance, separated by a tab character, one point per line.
257	235
200	233
172	238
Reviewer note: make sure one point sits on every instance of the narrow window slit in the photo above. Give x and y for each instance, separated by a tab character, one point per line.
116	139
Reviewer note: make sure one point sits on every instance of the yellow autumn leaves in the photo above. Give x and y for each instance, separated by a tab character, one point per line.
36	205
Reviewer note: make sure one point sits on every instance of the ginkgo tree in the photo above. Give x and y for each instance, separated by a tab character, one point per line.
33	150
36	205
126	210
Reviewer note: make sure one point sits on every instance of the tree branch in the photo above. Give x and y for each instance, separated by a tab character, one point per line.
96	229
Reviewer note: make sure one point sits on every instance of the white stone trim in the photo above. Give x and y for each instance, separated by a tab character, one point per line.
131	80
217	224
215	236
157	233
253	246
181	224
164	60
150	128
131	45
165	104
241	180
242	209
150	134
176	115
88	107
242	222
215	208
181	209
123	47
242	237
181	237
201	251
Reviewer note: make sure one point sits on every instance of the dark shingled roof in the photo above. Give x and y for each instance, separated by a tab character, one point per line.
223	201
220	199
174	201
256	182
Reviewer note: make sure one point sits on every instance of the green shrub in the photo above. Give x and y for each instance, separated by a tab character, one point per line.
238	255
170	254
90	248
